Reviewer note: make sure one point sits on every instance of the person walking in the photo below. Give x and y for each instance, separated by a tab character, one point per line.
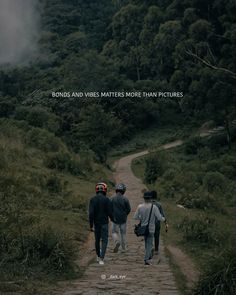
147	214
100	210
121	209
158	223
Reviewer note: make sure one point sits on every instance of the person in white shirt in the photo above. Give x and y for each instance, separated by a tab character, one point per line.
142	214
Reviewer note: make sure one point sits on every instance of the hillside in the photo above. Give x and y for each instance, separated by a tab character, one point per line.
54	149
44	193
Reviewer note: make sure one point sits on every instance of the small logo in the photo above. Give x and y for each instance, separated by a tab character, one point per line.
103	277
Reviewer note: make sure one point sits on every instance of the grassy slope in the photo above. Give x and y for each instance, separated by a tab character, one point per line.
226	223
63	211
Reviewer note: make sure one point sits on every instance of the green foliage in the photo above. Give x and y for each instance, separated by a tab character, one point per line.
38	117
54	184
43	140
219	275
63	161
155	166
200	199
193	145
200	230
214	181
97	130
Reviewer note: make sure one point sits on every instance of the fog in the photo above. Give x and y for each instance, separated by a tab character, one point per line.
18	30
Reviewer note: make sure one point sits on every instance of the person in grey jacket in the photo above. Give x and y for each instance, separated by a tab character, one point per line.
120	211
142	214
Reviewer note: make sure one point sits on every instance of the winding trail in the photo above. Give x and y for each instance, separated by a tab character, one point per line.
125	273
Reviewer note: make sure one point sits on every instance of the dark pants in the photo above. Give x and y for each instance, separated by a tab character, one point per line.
101	234
157	236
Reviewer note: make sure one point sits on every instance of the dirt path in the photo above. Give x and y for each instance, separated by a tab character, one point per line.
125	273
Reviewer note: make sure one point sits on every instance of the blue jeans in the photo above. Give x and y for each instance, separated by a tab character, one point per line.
148	246
101	234
119	234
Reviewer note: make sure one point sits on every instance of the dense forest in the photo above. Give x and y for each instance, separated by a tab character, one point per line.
184	46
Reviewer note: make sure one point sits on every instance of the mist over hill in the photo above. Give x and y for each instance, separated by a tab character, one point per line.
18	30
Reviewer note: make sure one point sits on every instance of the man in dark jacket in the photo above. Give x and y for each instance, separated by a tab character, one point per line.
99	211
158	223
121	209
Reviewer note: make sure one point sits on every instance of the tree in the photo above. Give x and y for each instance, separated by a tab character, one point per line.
98	130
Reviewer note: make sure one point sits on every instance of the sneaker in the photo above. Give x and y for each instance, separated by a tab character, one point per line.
101	262
146	262
98	259
116	247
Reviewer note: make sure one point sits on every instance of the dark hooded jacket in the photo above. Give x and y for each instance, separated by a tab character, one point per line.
100	209
120	208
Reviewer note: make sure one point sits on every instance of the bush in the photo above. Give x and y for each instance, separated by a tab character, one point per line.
214	181
170	174
6	108
200	199
203	231
155	166
228	171
217	141
193	145
219	275
43	140
213	165
51	248
54	184
43	247
63	161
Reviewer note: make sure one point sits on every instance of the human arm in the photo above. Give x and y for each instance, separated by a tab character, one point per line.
91	214
128	208
158	215
137	215
110	209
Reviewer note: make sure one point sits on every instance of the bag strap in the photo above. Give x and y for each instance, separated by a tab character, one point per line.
150	215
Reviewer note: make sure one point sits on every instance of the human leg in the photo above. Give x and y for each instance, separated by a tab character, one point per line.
104	237
115	236
148	246
123	235
97	234
157	237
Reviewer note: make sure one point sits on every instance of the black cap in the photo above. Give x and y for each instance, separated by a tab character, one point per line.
147	195
154	194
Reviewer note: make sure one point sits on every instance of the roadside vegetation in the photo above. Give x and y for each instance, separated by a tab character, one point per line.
196	184
43	217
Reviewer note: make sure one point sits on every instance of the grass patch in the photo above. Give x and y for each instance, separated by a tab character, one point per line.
43	216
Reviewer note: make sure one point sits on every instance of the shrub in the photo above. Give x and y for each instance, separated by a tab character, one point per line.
169	174
200	199
37	117
6	108
213	165
54	184
42	247
203	231
214	181
43	140
217	141
63	161
219	275
155	166
193	145
228	171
